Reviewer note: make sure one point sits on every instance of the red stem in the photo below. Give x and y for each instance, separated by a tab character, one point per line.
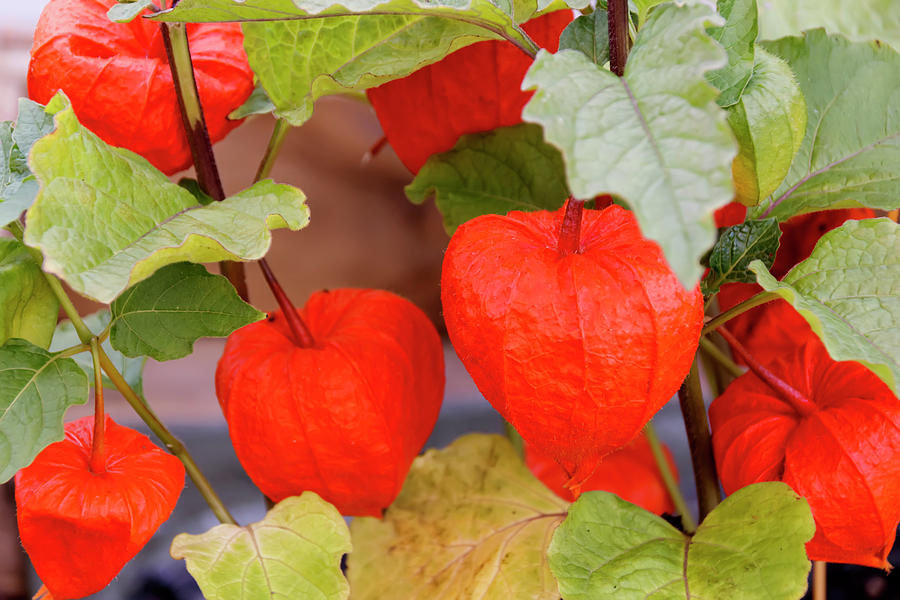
301	334
619	40
98	444
803	405
570	228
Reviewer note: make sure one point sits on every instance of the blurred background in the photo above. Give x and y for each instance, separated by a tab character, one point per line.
363	233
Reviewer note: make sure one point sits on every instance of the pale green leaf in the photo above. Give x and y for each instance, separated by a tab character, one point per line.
589	34
132	369
644	7
126	12
294	553
737	247
769	123
510	168
105	219
162	316
849	292
751	546
302	50
655	137
737	36
471	522
859	20
28	308
258	103
851	148
36	388
18	187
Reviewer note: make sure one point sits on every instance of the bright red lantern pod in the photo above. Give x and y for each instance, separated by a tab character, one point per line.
577	343
629	472
118	79
477	88
775	328
80	526
344	417
832	433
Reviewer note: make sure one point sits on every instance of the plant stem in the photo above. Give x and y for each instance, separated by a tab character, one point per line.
570	228
712	351
301	334
272	150
722	318
619	41
179	54
820	581
172	443
98	444
803	405
696	424
665	469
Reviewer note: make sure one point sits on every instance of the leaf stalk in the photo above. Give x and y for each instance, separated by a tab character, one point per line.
665	470
696	424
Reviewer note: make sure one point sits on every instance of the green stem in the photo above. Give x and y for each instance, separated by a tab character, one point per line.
721	319
172	443
275	142
140	407
709	349
179	54
665	469
693	410
98	443
74	350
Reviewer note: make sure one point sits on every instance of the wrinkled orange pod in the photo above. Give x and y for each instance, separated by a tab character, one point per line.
576	350
840	450
344	418
629	472
80	527
775	328
118	79
476	88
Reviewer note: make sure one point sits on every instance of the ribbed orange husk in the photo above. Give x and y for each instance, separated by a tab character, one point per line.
80	527
344	418
476	88
118	79
579	351
629	472
842	458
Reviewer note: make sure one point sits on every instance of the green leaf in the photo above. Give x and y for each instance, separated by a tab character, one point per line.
258	103
644	7
470	522
306	49
147	221
851	149
849	292
737	36
193	186
860	20
18	187
769	123
655	137
126	12
737	247
510	168
36	388
751	546
132	369
162	316
294	552
589	34
28	308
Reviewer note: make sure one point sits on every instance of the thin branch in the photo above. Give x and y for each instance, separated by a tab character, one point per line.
665	470
693	410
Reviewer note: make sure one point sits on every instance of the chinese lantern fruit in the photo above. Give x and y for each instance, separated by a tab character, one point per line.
476	88
80	527
775	328
839	447
629	472
343	418
118	79
577	350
